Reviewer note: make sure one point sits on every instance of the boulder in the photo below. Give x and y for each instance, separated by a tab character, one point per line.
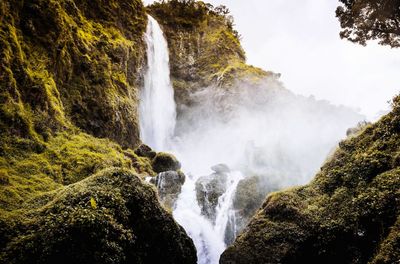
111	217
145	151
169	185
165	162
208	190
221	168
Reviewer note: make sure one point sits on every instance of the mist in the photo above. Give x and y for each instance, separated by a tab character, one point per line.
262	130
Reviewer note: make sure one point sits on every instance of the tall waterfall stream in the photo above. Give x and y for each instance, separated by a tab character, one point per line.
157	122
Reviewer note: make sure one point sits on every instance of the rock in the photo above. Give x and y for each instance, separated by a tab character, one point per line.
249	196
145	151
208	190
221	168
169	185
165	162
111	217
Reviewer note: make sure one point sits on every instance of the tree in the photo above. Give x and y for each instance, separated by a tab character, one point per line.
363	20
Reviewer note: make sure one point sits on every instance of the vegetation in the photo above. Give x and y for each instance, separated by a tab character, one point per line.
351	207
110	217
364	20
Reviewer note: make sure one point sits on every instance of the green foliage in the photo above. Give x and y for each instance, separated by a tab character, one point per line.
365	20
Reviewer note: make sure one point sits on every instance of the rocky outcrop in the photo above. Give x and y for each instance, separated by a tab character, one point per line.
205	48
348	214
71	63
169	185
111	217
165	162
249	196
209	188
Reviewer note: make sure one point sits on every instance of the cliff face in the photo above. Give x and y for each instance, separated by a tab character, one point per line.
205	49
348	214
67	63
70	191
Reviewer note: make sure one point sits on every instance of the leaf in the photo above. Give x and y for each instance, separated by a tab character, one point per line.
93	203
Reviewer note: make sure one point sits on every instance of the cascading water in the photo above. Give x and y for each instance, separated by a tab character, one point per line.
273	137
157	110
157	122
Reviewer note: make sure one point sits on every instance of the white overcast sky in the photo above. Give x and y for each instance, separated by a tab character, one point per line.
300	40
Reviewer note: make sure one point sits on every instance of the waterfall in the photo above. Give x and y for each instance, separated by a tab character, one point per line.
157	111
157	114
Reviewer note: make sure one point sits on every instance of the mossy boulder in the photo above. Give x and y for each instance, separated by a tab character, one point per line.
110	217
145	151
165	162
348	214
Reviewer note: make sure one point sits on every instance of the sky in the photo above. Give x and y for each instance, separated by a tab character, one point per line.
300	40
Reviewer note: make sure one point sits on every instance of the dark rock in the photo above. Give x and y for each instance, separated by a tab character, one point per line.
208	190
169	185
165	162
145	151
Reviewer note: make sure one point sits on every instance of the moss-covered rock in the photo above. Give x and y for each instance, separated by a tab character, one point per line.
347	214
145	151
165	162
111	217
71	63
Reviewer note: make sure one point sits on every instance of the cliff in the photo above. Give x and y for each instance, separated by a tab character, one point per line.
205	49
70	179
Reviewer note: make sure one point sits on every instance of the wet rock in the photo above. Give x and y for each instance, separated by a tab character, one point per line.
145	151
165	162
208	190
249	196
221	168
169	185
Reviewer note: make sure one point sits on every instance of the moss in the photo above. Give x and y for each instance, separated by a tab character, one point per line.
65	66
111	217
352	207
165	162
4	177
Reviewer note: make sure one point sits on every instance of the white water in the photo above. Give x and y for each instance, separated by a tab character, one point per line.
157	122
272	133
157	111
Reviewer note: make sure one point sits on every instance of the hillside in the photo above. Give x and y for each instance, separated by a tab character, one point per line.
348	214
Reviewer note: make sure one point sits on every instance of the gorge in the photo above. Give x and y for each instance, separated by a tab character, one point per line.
133	134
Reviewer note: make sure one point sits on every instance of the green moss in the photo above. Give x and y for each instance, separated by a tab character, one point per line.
109	217
165	162
351	207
